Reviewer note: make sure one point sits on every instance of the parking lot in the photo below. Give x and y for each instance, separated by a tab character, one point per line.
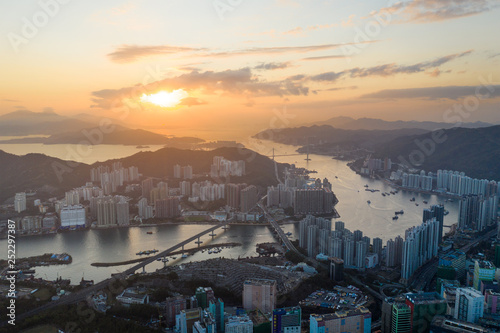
339	298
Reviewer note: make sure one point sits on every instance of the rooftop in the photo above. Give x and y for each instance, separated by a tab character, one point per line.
342	314
425	298
259	282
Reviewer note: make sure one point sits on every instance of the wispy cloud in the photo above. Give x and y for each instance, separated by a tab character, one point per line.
387	69
10	100
426	11
131	53
333	56
272	65
447	92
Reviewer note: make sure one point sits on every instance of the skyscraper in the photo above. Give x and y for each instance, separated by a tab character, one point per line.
361	250
147	186
349	251
248	198
424	306
336	269
377	247
177	171
437	212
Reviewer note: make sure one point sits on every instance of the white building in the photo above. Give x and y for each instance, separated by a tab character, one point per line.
239	324
20	202
469	305
73	217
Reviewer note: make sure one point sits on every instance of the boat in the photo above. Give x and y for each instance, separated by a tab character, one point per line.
184	255
154	250
159	259
366	185
368	201
149	232
139	253
383	194
446	212
395	217
174	258
399	212
165	260
416	204
336	177
425	202
209	251
288	233
412	199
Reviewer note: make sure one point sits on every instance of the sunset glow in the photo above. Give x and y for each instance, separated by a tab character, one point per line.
165	99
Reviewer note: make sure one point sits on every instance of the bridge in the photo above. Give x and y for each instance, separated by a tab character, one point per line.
281	234
116	282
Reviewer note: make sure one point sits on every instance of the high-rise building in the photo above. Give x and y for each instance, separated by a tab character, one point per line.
20	202
349	246
483	271
259	294
72	217
313	201
401	318
312	240
233	195
492	302
248	198
354	321
187	319
122	212
469	305
424	306
336	269
187	172
477	212
455	259
147	186
167	208
106	211
185	188
420	245
177	171
286	320
437	212
377	247
216	308
335	249
173	307
361	250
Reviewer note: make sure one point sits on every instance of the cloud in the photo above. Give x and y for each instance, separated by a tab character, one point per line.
237	82
333	56
388	69
272	65
131	53
192	101
426	11
447	92
10	100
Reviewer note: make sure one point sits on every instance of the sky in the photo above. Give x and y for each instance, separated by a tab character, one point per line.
223	68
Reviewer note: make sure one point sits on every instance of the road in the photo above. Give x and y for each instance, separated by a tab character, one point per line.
275	225
114	283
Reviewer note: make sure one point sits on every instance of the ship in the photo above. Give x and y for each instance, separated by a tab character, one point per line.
184	255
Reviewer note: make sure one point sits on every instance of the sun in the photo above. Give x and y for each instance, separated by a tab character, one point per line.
165	99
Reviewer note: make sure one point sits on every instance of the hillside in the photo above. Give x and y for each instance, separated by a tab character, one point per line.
326	134
473	151
39	172
349	123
